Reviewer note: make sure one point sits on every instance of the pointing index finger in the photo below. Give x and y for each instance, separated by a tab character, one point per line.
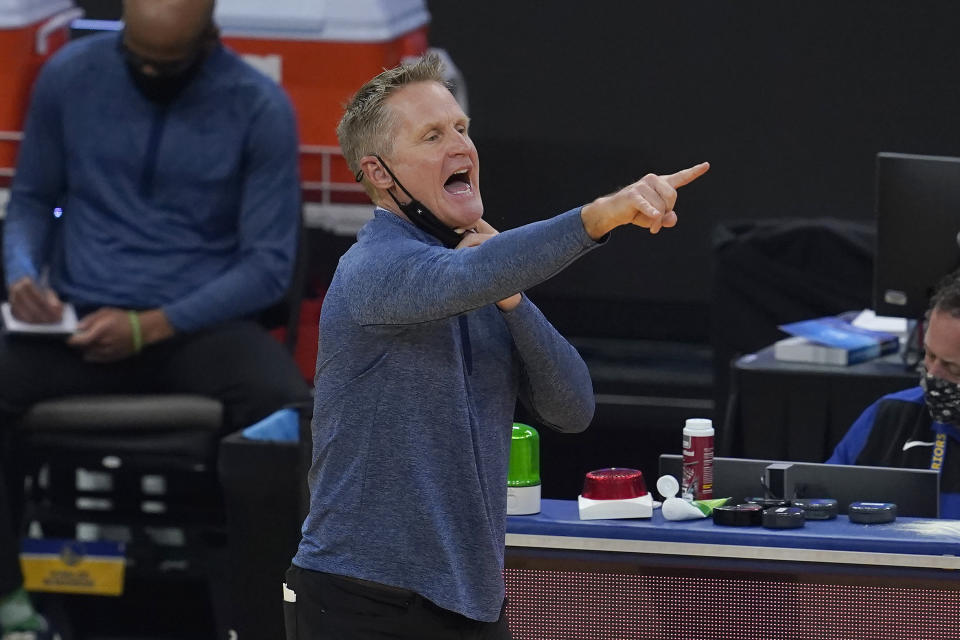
686	176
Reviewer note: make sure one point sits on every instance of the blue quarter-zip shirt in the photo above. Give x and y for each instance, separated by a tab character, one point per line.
418	374
192	206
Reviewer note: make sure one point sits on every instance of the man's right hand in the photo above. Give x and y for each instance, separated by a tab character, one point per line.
31	303
647	203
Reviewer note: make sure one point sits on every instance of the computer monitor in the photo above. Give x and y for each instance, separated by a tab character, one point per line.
916	492
918	220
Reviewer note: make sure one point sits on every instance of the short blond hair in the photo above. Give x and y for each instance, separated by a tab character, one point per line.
366	127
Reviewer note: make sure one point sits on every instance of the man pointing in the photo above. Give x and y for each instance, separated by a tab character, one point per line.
426	343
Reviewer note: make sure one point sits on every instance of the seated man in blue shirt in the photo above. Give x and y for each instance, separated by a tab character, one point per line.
175	165
427	343
918	428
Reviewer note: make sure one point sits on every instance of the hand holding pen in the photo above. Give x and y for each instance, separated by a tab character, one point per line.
34	302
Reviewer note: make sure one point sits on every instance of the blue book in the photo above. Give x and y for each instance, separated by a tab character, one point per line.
832	340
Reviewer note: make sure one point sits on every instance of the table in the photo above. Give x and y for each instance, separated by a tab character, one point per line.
652	579
633	579
795	411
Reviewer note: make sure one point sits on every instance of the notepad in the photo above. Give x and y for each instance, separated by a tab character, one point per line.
67	325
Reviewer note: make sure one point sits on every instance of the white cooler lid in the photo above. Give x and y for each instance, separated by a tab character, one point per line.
20	13
330	20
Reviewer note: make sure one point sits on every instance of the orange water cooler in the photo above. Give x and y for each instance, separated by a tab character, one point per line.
30	31
321	52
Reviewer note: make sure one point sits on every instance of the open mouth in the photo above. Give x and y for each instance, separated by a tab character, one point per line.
458	183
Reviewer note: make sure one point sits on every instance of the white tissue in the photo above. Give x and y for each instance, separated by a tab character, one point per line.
680	509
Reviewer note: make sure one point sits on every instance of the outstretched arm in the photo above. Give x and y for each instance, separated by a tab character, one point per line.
414	282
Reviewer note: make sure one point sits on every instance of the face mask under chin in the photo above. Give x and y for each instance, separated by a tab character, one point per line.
942	398
420	215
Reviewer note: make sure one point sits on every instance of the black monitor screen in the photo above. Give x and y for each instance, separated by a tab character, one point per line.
918	220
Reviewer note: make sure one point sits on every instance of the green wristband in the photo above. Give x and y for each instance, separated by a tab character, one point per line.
135	331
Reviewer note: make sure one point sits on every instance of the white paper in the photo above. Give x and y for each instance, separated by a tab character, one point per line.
66	326
868	319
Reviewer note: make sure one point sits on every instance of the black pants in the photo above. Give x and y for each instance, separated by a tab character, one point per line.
330	607
237	362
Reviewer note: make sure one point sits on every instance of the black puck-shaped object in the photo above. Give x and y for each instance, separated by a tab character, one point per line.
783	517
817	508
872	512
738	515
767	503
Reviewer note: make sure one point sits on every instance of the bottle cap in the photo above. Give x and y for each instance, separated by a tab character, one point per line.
872	512
614	484
738	515
699	424
668	486
783	517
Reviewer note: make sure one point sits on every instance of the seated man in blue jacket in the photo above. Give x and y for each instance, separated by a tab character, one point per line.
175	165
918	428
427	343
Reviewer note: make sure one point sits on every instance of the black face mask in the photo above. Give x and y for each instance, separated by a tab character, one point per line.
170	77
942	398
419	214
161	89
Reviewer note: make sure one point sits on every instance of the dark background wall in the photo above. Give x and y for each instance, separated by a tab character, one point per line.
789	101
